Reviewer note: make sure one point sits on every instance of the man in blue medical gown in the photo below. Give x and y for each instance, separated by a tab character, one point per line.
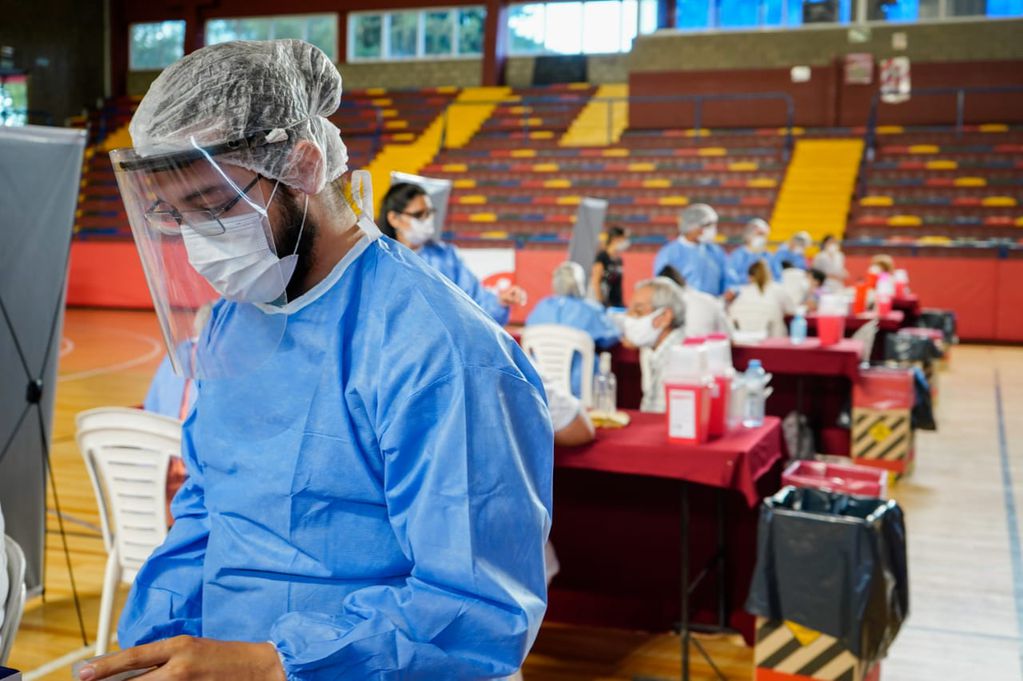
369	460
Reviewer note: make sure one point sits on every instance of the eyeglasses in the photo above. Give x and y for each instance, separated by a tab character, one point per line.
421	214
167	219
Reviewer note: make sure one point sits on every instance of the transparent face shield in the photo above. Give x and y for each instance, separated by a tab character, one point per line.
203	231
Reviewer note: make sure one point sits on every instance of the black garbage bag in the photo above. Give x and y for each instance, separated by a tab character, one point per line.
907	348
834	563
942	320
922	415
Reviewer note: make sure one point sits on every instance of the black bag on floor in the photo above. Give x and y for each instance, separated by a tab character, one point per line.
942	320
834	563
907	348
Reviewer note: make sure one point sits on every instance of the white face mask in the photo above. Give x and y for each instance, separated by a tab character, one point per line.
832	248
640	331
240	263
758	243
419	231
624	246
709	234
874	269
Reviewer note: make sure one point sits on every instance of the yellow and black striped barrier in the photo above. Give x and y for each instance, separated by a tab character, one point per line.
786	651
883	438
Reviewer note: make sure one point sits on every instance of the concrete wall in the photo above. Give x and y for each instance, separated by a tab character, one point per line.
945	42
60	43
412	74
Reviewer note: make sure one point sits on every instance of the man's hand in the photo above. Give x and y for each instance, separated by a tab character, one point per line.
513	295
195	659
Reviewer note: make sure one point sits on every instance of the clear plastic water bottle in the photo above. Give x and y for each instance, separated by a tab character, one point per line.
605	387
797	327
755	379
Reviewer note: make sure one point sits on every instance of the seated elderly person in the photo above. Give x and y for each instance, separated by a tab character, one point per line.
705	314
569	307
655	322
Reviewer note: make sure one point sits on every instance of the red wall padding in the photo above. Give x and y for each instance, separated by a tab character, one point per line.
107	274
986	294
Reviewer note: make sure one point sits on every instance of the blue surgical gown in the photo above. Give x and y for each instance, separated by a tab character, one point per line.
374	498
741	259
785	253
167	392
719	273
581	314
445	258
700	264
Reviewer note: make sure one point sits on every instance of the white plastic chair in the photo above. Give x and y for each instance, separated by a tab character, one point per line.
868	334
15	603
127	452
552	347
757	313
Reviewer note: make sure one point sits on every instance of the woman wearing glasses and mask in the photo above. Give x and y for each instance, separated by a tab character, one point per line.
408	217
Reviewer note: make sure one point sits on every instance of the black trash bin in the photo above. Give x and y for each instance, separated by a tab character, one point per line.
835	564
943	320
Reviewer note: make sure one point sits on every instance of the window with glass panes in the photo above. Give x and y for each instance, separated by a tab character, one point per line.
318	29
586	27
435	33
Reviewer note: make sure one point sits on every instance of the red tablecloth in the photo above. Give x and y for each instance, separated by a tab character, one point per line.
810	358
734	461
909	304
617	523
890	323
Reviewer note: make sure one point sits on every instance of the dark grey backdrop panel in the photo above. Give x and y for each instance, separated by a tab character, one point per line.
439	191
39	173
589	223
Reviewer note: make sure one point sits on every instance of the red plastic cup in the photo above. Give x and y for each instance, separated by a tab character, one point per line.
830	329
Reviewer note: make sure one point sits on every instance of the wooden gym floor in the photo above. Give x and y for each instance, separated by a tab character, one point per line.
964	536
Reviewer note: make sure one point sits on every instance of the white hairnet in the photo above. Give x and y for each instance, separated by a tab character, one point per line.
569	279
229	91
696	216
755	226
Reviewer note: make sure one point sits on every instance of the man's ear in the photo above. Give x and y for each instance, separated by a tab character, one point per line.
664	319
307	161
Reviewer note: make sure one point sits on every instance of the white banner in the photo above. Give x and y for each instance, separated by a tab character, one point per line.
495	267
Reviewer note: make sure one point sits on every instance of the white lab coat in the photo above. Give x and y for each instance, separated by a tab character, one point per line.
755	311
705	314
653	362
833	267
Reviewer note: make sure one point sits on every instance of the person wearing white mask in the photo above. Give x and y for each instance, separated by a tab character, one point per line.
694	254
754	248
369	456
408	217
793	252
705	314
831	261
655	322
606	276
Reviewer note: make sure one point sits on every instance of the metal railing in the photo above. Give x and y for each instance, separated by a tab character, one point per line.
870	135
697	102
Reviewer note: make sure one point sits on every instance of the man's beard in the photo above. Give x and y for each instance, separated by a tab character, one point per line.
290	227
